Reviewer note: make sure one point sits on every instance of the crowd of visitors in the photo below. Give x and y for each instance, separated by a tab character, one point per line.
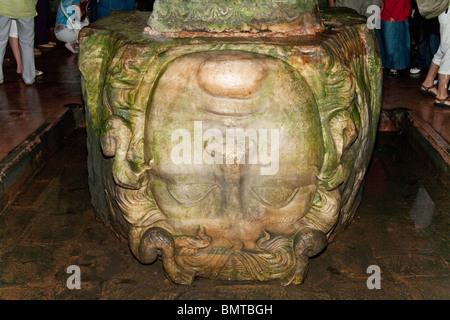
25	25
23	13
29	25
401	24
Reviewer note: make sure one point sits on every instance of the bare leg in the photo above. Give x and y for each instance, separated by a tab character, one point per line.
429	80
443	86
14	43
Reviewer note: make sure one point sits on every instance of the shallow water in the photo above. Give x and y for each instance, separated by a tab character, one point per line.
401	228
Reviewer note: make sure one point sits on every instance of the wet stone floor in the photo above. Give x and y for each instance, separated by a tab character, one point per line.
401	226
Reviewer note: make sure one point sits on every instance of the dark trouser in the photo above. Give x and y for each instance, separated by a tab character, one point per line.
426	48
93	15
41	21
105	7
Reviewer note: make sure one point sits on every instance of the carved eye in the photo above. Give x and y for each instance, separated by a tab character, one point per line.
190	194
276	193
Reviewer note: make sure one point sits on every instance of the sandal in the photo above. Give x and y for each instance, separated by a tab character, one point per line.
37	72
426	90
392	74
442	102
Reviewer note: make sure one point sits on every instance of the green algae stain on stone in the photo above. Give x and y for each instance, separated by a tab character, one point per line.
232	15
213	219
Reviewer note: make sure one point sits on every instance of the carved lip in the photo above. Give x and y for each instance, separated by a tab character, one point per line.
227	77
232	76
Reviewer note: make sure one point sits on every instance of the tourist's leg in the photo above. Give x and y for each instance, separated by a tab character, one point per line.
25	28
5	24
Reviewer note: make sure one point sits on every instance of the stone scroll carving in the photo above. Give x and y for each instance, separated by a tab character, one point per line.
229	158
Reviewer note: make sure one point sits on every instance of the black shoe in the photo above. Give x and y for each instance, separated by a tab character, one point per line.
393	74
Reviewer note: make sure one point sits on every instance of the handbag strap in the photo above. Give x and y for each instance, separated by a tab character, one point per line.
65	13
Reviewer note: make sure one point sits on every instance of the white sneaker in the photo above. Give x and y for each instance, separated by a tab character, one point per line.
415	70
39	73
70	47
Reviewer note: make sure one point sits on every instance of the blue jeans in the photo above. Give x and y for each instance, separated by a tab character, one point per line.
394	42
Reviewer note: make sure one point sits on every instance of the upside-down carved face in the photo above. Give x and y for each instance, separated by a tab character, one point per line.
234	143
240	169
236	146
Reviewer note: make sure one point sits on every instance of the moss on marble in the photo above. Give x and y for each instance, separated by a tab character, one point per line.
226	15
121	66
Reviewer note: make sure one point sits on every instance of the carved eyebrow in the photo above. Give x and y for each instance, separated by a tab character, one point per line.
180	179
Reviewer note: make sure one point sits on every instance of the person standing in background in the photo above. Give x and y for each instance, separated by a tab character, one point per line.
425	34
440	66
359	5
15	48
71	16
104	7
93	15
23	11
393	36
41	24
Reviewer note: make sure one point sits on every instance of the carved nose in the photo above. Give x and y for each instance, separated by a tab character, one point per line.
231	75
232	191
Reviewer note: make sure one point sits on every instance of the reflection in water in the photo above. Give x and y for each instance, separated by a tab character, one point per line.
31	100
422	211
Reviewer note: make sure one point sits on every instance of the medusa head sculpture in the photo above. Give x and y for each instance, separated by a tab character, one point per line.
227	158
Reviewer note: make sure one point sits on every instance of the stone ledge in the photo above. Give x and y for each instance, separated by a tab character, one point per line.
422	137
22	164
